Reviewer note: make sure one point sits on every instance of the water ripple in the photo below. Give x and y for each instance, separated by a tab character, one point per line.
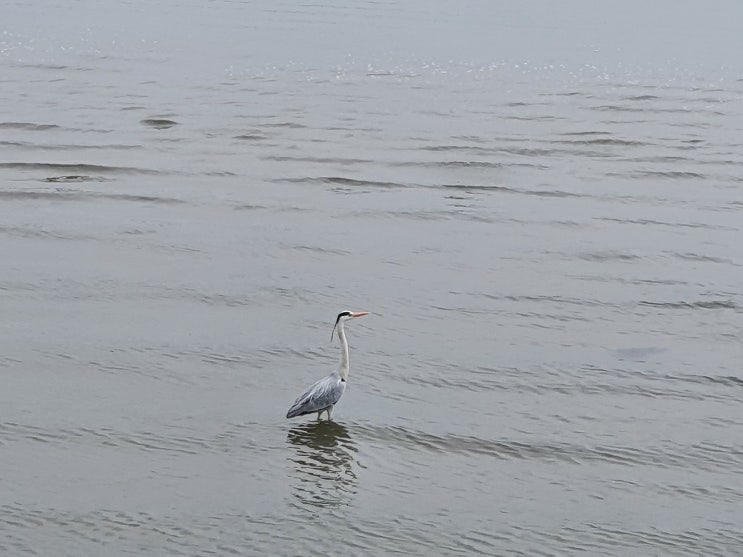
705	456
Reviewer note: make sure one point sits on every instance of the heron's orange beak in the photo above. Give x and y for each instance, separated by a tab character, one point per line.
359	314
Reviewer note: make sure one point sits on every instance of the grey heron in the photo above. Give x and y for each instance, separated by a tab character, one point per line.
323	395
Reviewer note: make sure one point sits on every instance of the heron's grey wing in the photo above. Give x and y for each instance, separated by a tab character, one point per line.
323	394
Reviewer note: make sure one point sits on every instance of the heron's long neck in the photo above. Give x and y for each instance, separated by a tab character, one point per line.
343	366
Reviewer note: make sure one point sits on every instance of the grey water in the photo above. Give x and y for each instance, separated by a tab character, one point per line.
540	204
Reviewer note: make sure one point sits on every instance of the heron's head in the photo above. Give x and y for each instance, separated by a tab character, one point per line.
345	316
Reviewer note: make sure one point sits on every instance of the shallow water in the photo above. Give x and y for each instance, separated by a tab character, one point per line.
544	225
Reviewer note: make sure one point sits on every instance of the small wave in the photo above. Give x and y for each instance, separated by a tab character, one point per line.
608	256
76	168
550	299
604	141
289	125
74	179
68	147
251	137
664	223
320	160
343	181
668	174
159	123
543	118
250	207
725	380
104	436
27	232
702	258
520	151
712	304
318	249
652	110
585	133
466	164
445	148
641	98
79	195
27	126
707	456
505	189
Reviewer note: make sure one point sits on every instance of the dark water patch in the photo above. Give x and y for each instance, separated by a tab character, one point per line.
711	304
27	126
159	123
76	168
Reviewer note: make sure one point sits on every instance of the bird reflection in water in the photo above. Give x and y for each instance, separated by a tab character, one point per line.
324	456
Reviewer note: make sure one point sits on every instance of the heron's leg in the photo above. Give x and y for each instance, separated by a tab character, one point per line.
330	413
319	414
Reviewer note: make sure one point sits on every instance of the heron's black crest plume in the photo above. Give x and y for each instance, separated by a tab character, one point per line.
337	319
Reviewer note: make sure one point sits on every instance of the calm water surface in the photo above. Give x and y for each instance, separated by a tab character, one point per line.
543	216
